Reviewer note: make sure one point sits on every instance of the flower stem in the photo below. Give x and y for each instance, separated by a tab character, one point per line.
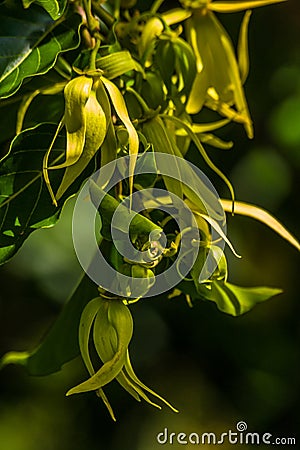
104	15
156	5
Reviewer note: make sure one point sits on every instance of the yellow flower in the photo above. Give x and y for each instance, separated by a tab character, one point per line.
112	325
220	76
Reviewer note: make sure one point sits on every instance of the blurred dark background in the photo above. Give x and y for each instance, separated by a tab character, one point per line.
217	370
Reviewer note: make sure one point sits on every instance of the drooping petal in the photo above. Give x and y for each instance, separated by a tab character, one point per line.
137	381
247	209
235	5
86	321
121	109
95	133
103	376
217	67
243	53
194	138
76	94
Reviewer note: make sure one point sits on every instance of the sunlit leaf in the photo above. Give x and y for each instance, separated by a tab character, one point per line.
30	43
25	204
161	139
237	300
53	7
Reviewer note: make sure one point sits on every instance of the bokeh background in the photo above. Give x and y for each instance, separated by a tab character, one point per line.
217	370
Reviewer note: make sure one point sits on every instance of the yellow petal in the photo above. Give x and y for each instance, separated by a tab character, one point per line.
188	129
86	321
105	375
243	54
176	15
121	109
263	216
94	137
235	6
203	127
76	93
138	383
218	79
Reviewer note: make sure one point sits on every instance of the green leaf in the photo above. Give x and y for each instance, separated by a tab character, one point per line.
145	161
164	60
162	141
25	203
152	91
61	343
39	101
53	7
43	108
8	113
235	300
30	43
185	66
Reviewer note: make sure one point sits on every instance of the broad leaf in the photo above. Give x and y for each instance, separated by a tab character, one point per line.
235	300
61	343
53	7
30	43
25	203
39	101
145	162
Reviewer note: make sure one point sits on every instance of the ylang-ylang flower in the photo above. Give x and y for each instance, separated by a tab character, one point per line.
112	326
